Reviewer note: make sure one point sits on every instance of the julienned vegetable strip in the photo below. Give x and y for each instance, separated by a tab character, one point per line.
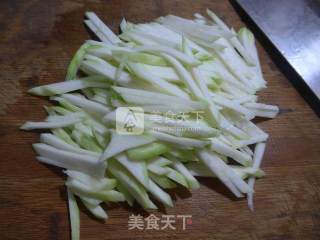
257	159
194	82
74	216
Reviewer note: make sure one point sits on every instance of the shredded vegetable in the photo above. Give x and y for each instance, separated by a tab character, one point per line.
193	80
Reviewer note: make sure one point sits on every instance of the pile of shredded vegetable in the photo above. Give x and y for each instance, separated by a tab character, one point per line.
196	82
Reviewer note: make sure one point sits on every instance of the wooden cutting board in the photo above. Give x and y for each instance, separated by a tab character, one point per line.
38	39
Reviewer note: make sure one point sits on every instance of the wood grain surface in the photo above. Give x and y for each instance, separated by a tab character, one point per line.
38	39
